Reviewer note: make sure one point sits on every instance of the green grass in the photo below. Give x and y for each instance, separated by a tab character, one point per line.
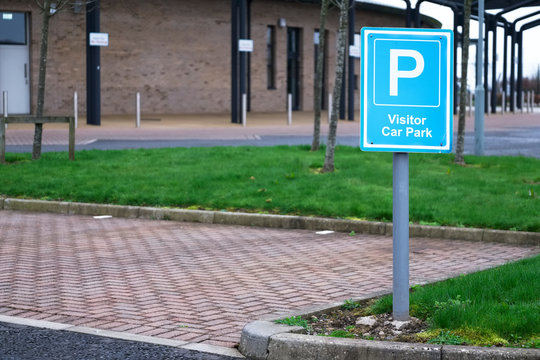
491	192
294	321
500	306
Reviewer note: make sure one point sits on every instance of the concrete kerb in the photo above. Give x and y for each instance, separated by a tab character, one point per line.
270	221
266	340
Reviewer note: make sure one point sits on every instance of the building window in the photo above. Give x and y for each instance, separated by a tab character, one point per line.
271	57
12	28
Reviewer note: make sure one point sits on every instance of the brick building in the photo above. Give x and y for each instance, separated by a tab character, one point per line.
176	53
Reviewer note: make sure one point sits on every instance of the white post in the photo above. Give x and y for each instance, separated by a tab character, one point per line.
470	103
503	102
138	110
329	107
488	103
289	109
244	110
514	95
5	104
76	108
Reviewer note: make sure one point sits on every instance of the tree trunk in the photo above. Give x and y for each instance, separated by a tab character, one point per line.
459	159
336	96
319	77
36	149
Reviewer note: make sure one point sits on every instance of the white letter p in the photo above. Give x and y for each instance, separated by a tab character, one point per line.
395	73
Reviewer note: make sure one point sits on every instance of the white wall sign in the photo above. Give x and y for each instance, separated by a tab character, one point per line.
354	51
245	45
99	39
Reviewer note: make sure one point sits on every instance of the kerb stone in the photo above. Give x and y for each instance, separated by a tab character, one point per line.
295	346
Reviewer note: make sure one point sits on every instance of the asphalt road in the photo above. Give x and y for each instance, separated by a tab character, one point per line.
19	342
513	142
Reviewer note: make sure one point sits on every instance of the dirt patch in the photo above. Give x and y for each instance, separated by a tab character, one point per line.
354	323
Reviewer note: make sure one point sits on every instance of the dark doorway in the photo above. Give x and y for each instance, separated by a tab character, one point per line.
293	65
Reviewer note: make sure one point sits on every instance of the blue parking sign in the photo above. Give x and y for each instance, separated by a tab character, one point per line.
406	90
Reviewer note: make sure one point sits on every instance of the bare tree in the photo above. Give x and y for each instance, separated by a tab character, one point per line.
460	159
319	77
48	10
343	6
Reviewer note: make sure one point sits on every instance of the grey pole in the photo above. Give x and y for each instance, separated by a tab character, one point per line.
400	262
5	103
479	91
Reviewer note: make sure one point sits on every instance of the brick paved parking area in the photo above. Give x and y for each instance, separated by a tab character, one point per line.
196	282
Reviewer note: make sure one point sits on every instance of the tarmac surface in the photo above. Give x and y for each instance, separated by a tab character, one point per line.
508	134
194	283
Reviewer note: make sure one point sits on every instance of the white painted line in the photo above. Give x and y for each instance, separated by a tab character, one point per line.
34	323
99	217
220	350
324	232
127	336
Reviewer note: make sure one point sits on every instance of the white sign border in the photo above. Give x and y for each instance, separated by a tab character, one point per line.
449	115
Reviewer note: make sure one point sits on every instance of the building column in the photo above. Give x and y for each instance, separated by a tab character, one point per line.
93	66
352	60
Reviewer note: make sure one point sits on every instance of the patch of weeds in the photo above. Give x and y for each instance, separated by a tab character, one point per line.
349	304
352	233
295	321
446	337
457	302
480	337
429	223
341	334
531	344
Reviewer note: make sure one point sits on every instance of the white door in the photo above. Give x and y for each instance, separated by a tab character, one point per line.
14	62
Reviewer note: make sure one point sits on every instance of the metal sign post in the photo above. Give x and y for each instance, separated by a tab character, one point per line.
405	106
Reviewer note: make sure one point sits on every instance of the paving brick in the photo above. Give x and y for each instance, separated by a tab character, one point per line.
200	282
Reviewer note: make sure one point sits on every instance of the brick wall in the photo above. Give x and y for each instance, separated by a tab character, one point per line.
176	53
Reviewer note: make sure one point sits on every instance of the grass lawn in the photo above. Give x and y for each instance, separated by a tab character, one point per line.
491	192
500	306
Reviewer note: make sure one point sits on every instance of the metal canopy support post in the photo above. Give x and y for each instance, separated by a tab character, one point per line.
352	60
512	68
243	54
519	87
400	230
505	68
485	20
494	68
93	66
479	91
458	20
408	17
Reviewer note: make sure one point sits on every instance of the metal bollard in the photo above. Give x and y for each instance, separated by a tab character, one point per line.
244	110
138	110
5	105
329	107
76	108
289	109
